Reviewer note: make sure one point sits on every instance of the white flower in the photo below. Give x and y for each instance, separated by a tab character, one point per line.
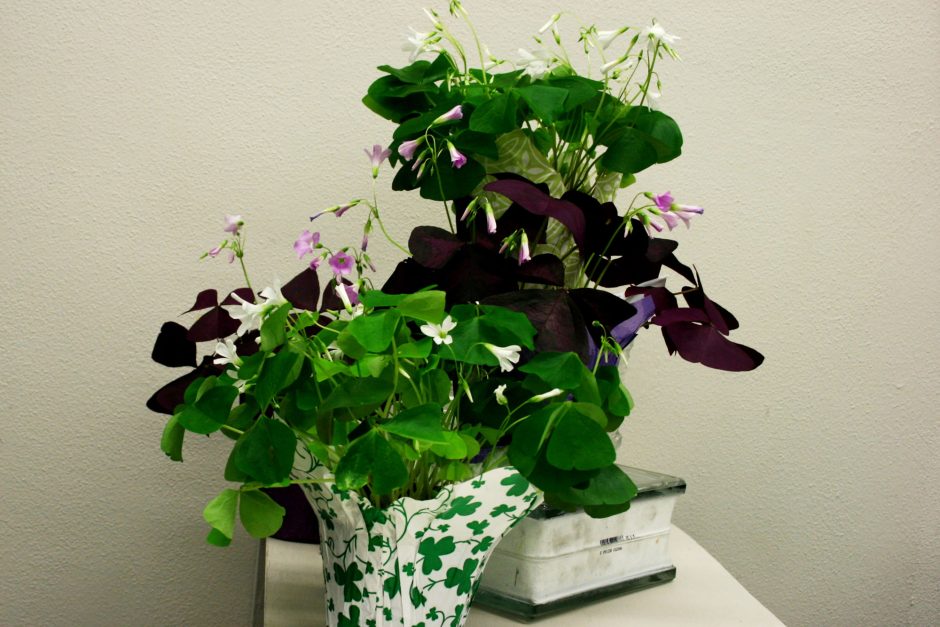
227	354
551	22
606	37
617	63
546	395
272	295
249	316
440	332
656	33
507	355
419	43
343	296
536	64
500	397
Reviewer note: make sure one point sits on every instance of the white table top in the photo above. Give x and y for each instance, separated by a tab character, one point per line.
703	593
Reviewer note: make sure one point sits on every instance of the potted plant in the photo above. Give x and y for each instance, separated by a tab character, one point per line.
424	419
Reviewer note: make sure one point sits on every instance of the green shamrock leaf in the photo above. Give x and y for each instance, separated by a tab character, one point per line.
483	545
461	506
502	509
478	526
352	621
432	614
417	599
432	551
462	578
387	612
458	614
391	586
518	484
409	569
348	578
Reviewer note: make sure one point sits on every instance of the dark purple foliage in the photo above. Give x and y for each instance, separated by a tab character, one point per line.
173	348
212	325
303	291
528	196
204	300
703	344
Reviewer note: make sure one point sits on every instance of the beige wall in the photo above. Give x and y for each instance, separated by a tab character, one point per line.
128	128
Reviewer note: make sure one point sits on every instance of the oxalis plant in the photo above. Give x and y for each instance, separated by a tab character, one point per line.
496	341
527	158
395	393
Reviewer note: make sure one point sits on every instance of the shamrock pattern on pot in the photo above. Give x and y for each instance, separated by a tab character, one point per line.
414	563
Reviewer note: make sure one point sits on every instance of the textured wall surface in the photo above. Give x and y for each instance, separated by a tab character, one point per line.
128	128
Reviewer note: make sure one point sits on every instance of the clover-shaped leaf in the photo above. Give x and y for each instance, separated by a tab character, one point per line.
483	545
432	552
461	506
462	578
417	599
517	484
348	578
501	509
478	526
352	620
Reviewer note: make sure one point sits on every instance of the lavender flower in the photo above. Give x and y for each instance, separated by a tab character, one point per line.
454	114
341	263
524	255
407	149
233	224
376	157
306	243
490	216
456	157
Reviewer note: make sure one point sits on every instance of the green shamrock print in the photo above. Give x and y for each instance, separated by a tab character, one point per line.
462	578
353	620
432	552
460	506
483	545
501	509
417	599
348	578
478	526
518	484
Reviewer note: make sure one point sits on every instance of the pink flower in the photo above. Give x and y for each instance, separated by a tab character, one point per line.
524	255
663	201
314	263
490	217
407	149
341	263
470	206
456	157
454	114
686	212
339	210
306	243
233	223
365	242
670	220
215	251
376	157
